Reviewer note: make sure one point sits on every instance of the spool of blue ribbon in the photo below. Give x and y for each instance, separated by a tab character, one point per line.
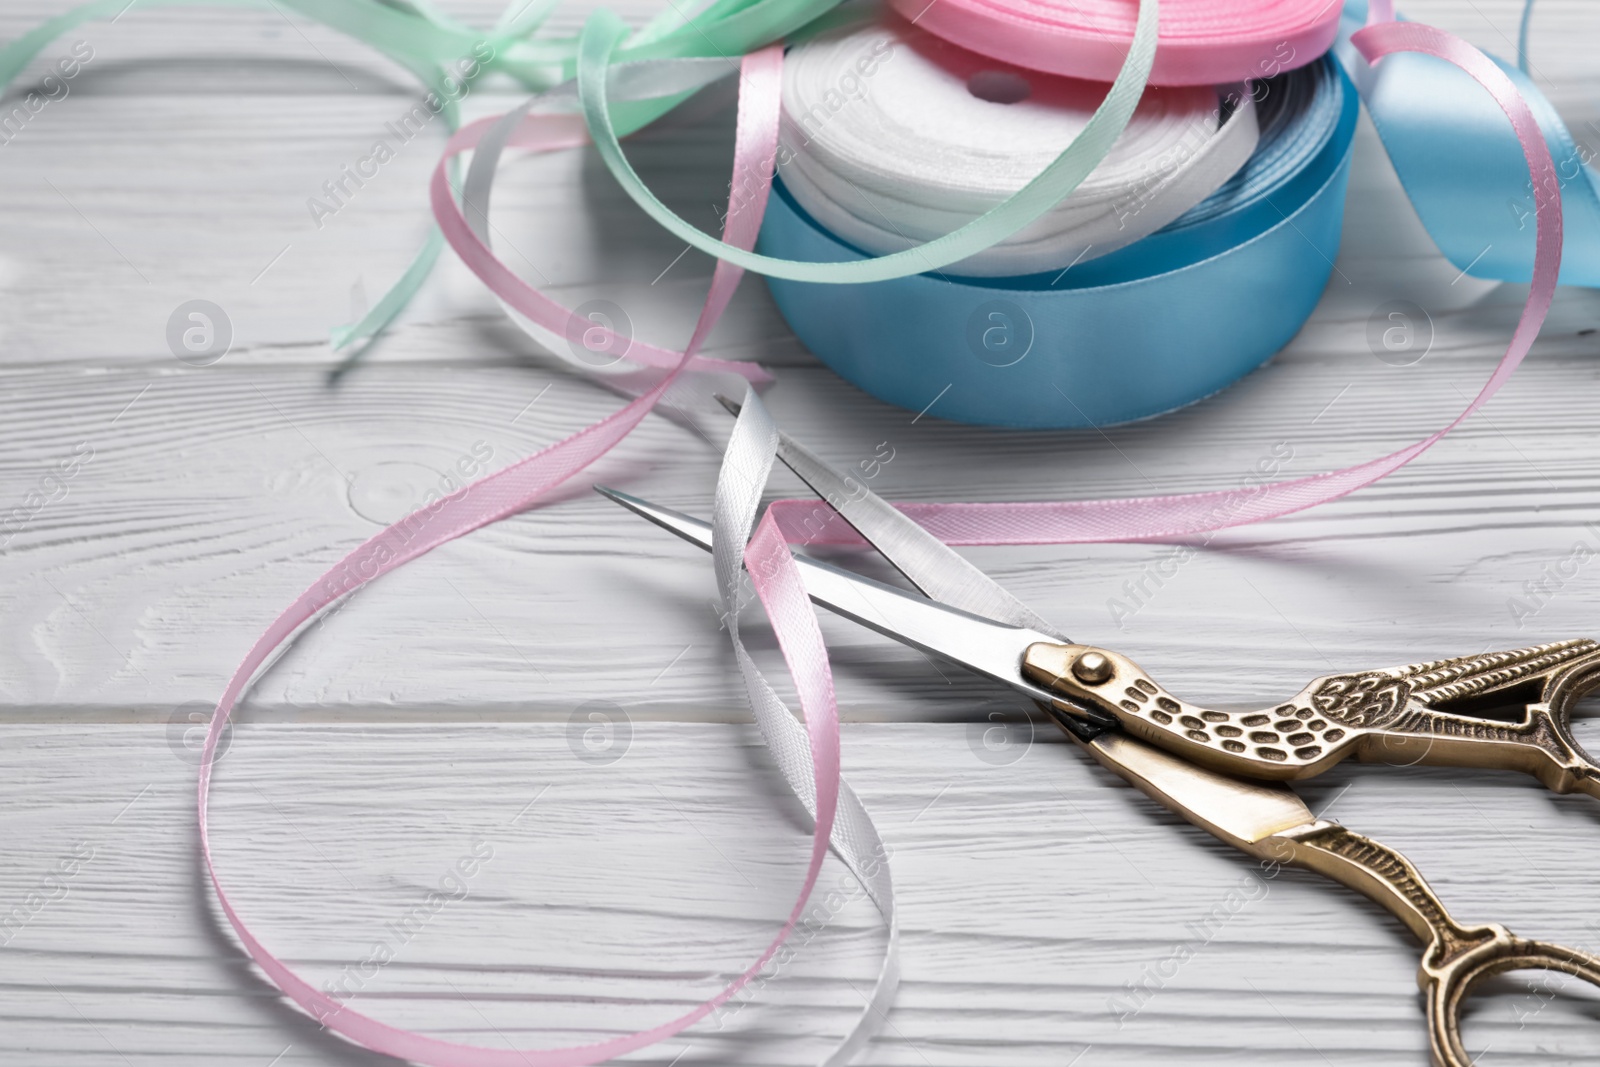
1151	327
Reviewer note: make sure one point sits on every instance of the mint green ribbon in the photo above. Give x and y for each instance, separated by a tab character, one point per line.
599	46
423	40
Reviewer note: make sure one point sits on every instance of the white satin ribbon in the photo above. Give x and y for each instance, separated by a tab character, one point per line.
746	465
891	137
745	468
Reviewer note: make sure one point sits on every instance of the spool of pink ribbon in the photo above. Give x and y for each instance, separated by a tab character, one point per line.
1211	43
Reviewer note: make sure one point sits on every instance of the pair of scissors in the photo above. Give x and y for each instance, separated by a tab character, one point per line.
1226	772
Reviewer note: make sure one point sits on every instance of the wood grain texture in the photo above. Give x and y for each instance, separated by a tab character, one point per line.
1034	888
215	494
435	705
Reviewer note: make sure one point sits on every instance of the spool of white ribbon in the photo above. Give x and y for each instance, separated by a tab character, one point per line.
891	137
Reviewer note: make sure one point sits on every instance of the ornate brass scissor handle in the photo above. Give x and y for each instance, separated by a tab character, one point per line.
1457	958
1420	713
1270	821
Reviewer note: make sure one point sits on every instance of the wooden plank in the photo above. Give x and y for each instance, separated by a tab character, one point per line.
1034	888
215	494
218	495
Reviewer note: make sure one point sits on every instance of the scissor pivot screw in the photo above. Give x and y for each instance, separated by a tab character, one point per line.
1092	668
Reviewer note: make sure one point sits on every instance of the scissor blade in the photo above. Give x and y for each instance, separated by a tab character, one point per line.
927	562
992	649
1239	812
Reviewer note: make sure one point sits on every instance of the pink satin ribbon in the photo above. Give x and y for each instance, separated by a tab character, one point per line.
767	556
1202	42
546	133
506	493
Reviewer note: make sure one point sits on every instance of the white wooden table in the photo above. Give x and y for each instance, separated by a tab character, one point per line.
423	719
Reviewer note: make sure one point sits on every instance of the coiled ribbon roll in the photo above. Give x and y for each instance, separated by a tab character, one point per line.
1199	44
1150	327
891	137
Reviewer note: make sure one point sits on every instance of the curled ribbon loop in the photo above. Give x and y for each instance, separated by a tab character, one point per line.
507	492
1437	127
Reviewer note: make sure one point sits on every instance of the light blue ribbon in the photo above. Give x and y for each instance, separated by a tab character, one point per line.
1463	169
